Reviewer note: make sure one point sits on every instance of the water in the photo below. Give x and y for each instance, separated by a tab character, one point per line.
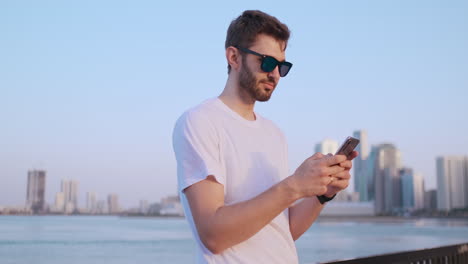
96	239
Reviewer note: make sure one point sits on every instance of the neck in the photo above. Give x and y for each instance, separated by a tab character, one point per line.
239	101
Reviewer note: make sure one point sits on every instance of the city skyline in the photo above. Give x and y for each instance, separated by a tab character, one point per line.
380	176
92	93
66	202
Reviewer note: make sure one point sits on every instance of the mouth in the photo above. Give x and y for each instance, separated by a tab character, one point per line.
269	86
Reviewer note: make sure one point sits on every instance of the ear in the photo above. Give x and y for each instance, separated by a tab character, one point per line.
233	57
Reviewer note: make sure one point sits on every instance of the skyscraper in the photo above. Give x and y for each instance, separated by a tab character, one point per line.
113	203
60	202
407	188
430	200
370	172
327	146
452	182
36	191
91	202
418	191
70	191
387	179
361	175
412	187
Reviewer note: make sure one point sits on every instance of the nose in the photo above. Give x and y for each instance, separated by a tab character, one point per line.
275	73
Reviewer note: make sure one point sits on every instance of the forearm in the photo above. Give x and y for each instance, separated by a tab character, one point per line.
302	215
233	224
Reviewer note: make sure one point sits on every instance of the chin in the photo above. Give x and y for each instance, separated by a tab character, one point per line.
263	98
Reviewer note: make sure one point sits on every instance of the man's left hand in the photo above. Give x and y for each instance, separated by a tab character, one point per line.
340	181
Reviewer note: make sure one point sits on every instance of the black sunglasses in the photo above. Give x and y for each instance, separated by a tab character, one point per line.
269	63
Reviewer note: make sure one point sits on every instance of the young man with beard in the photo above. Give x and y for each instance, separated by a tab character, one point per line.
239	200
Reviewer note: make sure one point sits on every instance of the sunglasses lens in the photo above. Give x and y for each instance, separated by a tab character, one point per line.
284	68
269	64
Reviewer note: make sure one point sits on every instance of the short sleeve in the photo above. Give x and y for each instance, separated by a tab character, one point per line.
196	147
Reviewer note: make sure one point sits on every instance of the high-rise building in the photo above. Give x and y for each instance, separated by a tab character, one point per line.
361	175
91	202
452	182
36	191
407	188
113	203
144	206
101	207
430	200
327	146
59	202
412	189
370	171
418	191
70	191
387	179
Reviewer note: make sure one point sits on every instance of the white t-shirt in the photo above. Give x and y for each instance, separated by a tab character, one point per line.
247	158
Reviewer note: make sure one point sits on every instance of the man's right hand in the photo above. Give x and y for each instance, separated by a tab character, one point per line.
312	177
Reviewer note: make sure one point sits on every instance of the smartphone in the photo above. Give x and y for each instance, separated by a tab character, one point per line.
348	146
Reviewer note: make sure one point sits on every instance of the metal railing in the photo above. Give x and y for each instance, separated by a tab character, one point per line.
454	254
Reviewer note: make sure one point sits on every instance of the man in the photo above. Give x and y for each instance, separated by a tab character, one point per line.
239	200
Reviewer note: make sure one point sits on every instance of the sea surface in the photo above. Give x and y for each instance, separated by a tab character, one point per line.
111	239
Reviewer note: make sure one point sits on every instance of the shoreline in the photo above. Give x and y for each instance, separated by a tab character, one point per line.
320	219
386	219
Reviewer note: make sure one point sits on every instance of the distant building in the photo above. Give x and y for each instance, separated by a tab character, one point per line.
430	200
412	186
387	179
70	191
342	196
370	171
348	209
144	207
407	188
154	209
35	194
361	175
171	205
91	203
327	146
345	196
59	205
418	191
113	203
452	182
101	207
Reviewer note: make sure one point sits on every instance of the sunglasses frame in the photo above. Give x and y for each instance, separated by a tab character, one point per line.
264	65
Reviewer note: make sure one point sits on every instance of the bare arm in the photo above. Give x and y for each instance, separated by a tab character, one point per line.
222	226
302	215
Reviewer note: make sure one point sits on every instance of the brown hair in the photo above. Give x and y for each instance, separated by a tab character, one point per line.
243	30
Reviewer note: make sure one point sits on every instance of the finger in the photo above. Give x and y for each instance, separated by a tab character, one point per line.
353	155
347	164
344	175
333	160
339	184
333	170
326	180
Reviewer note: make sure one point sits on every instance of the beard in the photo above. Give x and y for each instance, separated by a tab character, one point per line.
250	86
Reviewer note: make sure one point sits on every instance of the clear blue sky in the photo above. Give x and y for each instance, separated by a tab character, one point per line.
90	90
